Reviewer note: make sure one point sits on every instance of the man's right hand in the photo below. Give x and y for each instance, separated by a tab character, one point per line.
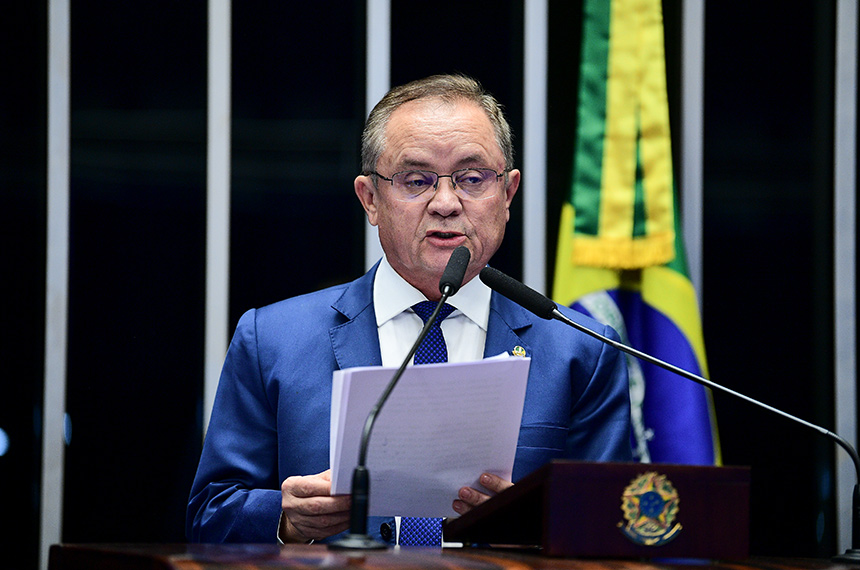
309	510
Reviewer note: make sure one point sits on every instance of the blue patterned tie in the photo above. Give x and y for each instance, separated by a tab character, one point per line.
415	531
432	348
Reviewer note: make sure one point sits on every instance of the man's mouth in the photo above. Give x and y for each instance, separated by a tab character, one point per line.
445	235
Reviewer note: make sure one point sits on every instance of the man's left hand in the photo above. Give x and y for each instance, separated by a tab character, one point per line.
469	498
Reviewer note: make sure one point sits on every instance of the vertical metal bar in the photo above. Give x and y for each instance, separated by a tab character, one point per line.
845	256
693	62
534	144
217	201
56	289
378	69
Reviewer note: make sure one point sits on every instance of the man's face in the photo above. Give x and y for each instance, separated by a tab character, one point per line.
418	237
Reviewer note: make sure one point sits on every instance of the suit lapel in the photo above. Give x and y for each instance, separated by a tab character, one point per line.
356	341
507	320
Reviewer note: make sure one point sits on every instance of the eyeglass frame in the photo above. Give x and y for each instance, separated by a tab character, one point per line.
438	177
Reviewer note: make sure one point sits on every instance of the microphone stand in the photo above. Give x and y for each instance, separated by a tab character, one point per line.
357	538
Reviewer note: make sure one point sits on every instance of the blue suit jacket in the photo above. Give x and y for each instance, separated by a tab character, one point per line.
272	408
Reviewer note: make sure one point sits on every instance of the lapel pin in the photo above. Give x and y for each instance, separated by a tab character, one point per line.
518	351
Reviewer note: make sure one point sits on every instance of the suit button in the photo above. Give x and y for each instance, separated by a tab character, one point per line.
386	530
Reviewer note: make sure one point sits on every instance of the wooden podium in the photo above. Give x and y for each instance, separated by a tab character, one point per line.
317	556
579	516
617	510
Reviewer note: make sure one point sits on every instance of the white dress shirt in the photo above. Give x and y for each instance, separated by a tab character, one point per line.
465	329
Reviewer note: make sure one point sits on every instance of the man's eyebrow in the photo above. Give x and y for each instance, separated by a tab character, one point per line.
414	163
470	160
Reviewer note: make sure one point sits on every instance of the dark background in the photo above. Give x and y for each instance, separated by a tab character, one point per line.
137	238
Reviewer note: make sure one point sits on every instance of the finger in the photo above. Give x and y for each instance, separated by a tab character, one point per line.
461	507
316	505
321	533
319	522
468	498
301	499
304	528
314	518
494	483
471	497
306	486
327	532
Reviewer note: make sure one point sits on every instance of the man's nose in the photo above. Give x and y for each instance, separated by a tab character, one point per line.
445	199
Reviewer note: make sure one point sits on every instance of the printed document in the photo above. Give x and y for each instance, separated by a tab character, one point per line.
442	426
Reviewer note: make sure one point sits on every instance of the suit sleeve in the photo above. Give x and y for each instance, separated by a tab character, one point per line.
600	419
236	493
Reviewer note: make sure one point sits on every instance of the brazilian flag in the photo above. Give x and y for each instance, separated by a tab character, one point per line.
620	254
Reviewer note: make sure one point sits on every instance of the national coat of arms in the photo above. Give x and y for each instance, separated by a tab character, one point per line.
650	505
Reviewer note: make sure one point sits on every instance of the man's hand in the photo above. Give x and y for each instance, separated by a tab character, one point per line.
310	512
470	498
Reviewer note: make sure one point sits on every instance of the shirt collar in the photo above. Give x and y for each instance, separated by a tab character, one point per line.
392	295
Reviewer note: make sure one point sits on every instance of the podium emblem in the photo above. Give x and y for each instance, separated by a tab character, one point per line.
650	505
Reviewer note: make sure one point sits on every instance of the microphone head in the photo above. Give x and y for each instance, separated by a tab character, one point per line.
519	293
455	271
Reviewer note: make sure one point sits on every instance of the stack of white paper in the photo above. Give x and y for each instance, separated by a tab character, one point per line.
442	426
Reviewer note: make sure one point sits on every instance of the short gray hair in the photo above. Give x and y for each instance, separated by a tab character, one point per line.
448	88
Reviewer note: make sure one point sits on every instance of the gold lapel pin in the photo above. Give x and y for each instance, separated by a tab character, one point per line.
518	351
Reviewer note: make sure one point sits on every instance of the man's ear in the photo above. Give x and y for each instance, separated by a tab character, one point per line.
366	192
513	183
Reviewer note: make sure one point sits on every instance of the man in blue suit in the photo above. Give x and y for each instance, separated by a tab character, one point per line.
438	173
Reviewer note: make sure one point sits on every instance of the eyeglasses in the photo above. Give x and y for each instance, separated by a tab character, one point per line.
468	183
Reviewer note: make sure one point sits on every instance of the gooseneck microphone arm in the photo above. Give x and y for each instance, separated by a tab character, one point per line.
374	411
361	476
545	308
558	315
358	538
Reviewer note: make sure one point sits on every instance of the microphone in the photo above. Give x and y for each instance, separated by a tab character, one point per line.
519	293
357	538
455	271
545	308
